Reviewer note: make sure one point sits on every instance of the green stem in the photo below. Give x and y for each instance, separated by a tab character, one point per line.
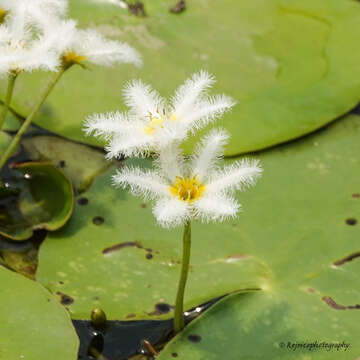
179	322
11	83
29	119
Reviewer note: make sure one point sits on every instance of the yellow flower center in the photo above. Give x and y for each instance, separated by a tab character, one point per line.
154	123
71	58
187	189
3	14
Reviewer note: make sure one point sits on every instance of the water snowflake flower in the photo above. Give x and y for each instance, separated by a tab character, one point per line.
76	46
25	34
193	189
152	124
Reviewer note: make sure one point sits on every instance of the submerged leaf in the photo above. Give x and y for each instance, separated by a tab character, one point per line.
43	200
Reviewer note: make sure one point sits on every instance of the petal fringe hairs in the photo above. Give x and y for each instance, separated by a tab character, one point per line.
152	123
182	189
35	35
195	189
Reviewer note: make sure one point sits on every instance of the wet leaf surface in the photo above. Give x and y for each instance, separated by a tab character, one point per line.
281	93
80	162
268	325
301	232
289	218
41	198
32	323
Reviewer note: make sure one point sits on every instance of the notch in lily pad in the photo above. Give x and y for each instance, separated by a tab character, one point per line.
44	200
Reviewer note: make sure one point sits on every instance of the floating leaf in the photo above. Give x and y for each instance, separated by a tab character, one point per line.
293	66
42	199
80	162
114	256
32	323
269	325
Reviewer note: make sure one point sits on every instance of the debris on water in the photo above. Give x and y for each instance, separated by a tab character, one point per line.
179	7
150	349
83	200
65	299
351	221
124	339
161	308
98	220
194	338
135	7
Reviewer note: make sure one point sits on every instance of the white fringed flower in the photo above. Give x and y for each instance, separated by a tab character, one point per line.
75	46
34	35
151	124
195	189
25	34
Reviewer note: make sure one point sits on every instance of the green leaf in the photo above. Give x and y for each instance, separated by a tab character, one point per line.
305	229
80	162
293	66
112	255
292	228
32	323
43	199
268	325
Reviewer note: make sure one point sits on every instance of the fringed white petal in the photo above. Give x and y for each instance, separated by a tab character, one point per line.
142	99
238	175
109	124
215	207
102	51
170	212
28	35
191	92
170	162
145	183
136	144
208	152
208	111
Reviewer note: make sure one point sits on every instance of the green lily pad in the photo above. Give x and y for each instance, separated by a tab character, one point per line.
293	66
80	162
269	326
105	259
42	199
32	323
292	228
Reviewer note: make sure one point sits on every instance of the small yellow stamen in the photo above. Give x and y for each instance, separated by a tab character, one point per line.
187	189
173	117
153	124
72	58
3	14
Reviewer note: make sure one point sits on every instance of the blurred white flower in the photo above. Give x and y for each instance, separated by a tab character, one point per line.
25	34
151	124
35	35
75	46
195	189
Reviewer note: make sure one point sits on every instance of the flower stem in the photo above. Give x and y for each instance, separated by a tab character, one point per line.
10	88
29	119
179	322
